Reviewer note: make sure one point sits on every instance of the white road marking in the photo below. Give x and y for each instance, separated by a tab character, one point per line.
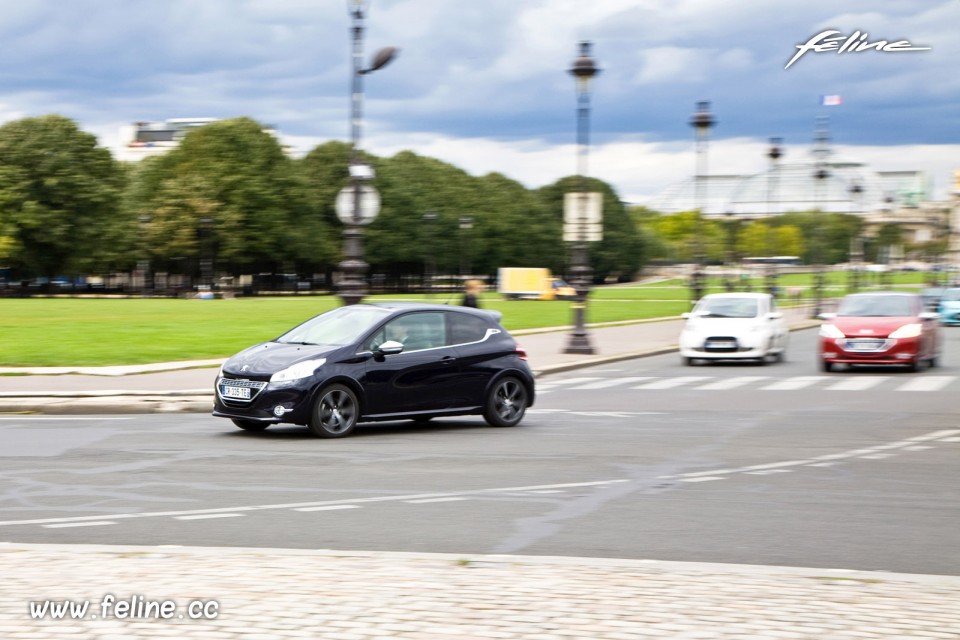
732	383
769	471
561	382
857	384
671	383
919	447
210	516
63	418
64	525
950	440
332	507
791	384
702	479
927	383
610	382
231	511
429	500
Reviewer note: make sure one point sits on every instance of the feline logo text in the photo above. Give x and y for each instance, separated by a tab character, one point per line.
832	40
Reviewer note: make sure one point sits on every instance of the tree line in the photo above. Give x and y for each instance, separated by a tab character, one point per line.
230	194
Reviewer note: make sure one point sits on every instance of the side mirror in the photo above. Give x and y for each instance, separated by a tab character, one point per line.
389	348
685	314
827	316
774	315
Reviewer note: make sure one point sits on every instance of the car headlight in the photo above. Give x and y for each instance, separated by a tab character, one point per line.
908	331
300	370
830	331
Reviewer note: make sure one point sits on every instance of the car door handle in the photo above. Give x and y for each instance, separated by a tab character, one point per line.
447	360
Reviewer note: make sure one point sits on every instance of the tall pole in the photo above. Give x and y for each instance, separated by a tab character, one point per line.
773	209
701	121
353	267
856	248
821	151
583	70
352	286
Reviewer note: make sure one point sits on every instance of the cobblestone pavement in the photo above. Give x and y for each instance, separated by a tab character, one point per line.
266	594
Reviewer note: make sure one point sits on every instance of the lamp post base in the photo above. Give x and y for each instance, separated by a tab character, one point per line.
579	339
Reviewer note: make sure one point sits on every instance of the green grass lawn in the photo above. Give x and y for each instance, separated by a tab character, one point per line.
101	332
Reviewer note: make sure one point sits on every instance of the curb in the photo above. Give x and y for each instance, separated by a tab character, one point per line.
494	560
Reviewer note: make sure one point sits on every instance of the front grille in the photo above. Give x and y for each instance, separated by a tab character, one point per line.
231	391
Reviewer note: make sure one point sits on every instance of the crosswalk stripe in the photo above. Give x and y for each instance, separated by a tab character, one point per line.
857	384
791	384
610	382
927	383
732	383
671	383
560	382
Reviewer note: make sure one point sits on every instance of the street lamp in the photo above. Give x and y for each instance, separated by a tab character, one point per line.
429	261
466	225
821	152
856	254
583	70
701	121
774	153
353	267
206	255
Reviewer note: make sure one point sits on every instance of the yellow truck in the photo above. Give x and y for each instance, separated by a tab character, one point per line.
532	283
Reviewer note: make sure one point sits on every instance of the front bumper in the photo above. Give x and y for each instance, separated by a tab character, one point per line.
724	347
892	351
273	404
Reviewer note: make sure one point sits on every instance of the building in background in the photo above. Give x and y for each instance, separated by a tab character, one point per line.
144	139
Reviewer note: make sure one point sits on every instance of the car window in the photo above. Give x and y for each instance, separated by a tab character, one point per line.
876	306
466	328
951	295
339	327
415	331
727	308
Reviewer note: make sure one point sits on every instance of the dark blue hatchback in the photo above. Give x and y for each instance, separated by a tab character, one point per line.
371	362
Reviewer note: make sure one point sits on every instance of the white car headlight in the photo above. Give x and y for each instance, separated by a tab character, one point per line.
830	331
303	369
908	331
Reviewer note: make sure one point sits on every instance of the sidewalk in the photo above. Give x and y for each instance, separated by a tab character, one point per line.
188	386
271	594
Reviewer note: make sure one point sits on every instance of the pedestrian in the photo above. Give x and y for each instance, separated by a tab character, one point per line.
471	289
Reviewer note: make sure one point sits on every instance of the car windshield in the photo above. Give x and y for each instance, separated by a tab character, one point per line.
727	308
877	306
951	295
338	328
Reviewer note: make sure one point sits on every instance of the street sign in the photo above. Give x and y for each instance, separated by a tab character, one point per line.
583	217
369	204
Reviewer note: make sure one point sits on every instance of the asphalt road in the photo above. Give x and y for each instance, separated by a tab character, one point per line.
732	463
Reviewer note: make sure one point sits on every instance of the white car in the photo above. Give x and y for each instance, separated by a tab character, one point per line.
734	326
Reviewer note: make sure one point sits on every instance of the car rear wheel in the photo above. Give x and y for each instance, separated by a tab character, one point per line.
335	412
506	403
250	425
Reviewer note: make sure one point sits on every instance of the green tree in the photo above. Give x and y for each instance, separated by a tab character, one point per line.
229	189
59	196
620	254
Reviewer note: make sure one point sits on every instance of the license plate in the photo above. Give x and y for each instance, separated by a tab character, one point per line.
865	345
722	344
241	393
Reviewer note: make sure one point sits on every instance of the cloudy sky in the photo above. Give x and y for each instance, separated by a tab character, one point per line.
482	84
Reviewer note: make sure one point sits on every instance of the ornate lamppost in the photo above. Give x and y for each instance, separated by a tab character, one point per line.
820	174
701	121
466	225
856	253
583	70
774	153
429	250
353	267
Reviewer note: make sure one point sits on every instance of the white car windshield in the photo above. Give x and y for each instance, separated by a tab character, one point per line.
339	327
727	308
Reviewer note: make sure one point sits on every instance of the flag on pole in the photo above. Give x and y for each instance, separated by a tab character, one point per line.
830	101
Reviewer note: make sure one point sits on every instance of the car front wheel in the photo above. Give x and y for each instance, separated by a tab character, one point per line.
335	412
506	403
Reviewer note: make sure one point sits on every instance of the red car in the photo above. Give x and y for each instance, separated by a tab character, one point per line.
879	329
